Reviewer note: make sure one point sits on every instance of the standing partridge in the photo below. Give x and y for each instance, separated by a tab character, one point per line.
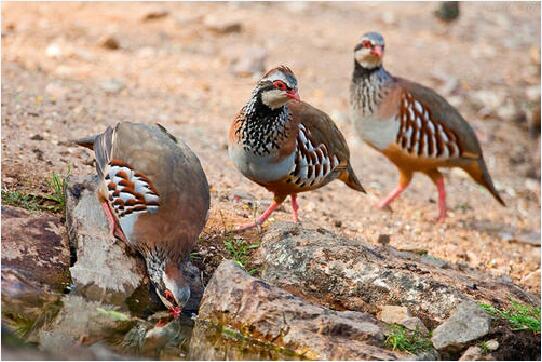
286	145
415	128
155	196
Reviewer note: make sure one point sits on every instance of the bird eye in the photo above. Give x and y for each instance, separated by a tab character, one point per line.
169	295
280	85
366	44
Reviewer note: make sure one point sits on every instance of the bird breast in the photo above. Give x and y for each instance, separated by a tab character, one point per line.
261	168
377	132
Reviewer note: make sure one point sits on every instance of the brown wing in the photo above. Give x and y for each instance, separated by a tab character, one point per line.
322	130
321	150
161	184
432	128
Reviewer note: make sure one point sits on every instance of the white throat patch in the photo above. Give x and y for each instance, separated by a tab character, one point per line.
365	60
274	98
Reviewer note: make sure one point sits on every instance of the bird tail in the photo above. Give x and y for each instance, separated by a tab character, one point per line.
478	171
87	142
350	179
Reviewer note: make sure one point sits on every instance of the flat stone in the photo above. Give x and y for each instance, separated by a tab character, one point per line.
353	274
399	315
35	245
259	311
468	323
475	353
393	314
492	345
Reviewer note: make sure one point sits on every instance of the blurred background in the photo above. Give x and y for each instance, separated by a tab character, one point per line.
71	69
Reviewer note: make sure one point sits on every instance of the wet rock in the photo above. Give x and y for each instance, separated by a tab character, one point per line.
468	323
356	275
259	311
222	24
251	63
35	246
106	269
81	323
163	340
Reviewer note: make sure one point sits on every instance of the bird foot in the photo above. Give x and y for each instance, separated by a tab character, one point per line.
441	218
384	207
248	226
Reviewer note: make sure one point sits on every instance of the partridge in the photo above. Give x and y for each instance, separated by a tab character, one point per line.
286	145
414	127
155	196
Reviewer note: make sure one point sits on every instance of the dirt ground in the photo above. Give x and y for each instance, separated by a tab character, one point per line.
59	81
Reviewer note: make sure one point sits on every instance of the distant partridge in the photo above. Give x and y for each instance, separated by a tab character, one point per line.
155	196
415	128
286	145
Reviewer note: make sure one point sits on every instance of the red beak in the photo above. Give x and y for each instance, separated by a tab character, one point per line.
293	94
377	50
175	312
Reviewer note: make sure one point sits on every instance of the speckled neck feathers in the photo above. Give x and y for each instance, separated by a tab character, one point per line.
156	263
261	128
368	88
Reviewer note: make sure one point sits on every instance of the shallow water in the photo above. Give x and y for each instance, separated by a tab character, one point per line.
69	326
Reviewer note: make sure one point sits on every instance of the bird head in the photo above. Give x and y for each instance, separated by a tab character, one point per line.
172	287
277	87
369	51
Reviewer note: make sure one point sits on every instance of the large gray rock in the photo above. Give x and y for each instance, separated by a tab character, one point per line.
468	323
355	275
35	266
259	311
106	269
35	246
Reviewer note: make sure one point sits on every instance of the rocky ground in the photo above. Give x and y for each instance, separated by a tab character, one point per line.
71	69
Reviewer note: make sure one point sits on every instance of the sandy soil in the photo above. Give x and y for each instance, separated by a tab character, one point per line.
60	82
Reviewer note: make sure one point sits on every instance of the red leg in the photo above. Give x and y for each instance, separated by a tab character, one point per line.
295	206
114	227
110	219
392	196
261	219
404	181
441	198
